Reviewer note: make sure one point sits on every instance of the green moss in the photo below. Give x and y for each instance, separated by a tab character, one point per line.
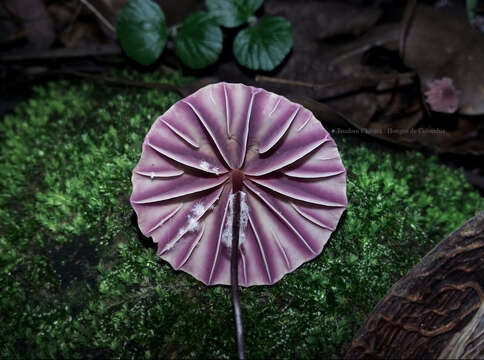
78	280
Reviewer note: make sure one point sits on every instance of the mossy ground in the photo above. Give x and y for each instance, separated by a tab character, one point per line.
79	281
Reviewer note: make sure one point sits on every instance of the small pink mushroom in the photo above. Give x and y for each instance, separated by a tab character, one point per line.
442	96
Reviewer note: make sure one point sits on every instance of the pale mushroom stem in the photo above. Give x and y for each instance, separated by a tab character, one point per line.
235	276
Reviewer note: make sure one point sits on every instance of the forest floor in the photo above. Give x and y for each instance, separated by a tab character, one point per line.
78	280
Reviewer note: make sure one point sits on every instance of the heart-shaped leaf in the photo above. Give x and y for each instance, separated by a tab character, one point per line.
265	45
141	30
199	42
232	13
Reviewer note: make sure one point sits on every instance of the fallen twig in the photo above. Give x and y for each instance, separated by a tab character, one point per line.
99	15
404	78
102	50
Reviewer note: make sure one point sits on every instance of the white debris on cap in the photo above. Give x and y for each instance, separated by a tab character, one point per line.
198	209
192	223
229	221
244	217
205	165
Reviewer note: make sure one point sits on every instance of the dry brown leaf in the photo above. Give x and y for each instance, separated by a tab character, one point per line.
82	33
62	14
314	21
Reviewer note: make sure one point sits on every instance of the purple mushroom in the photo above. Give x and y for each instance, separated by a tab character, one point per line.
238	186
442	96
227	138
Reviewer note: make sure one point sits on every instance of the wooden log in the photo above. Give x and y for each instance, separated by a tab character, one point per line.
437	309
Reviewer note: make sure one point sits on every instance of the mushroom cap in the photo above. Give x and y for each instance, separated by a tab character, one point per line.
293	184
442	96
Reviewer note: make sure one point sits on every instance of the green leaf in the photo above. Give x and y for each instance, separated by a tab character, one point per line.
471	9
199	41
232	13
264	46
141	29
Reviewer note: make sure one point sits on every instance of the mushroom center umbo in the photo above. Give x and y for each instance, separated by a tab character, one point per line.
237	177
448	93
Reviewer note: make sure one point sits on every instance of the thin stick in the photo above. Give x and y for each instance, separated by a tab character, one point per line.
234	275
99	15
371	81
62	53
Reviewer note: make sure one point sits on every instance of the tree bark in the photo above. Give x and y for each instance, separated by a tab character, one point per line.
437	309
